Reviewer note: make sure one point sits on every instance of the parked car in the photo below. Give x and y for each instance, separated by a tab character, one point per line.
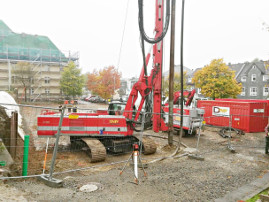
98	100
87	98
92	98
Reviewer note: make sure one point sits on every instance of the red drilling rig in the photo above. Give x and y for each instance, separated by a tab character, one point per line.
105	131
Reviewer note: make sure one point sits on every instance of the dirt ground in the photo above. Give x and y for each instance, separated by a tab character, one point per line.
174	179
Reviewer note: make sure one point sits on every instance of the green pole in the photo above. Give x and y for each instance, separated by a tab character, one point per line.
25	155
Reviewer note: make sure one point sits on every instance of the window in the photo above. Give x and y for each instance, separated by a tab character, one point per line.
46	68
254	67
123	84
13	79
32	81
199	91
253	77
265	91
47	91
47	79
265	77
189	80
253	91
32	91
243	93
243	78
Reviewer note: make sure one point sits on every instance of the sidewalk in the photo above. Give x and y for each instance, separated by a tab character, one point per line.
247	191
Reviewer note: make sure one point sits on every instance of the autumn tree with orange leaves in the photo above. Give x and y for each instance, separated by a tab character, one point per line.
104	82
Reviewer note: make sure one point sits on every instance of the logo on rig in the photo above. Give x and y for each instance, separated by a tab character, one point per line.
220	111
113	121
73	116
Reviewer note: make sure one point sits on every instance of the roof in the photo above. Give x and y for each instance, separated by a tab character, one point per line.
244	68
177	70
237	68
26	46
196	70
259	65
4	27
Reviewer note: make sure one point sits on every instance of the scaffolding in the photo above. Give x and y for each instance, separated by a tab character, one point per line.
42	66
37	50
34	55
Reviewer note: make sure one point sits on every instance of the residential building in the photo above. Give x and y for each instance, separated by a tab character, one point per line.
127	84
177	71
199	94
189	75
45	59
254	77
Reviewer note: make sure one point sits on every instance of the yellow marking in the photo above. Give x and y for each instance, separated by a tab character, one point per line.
73	116
113	121
223	110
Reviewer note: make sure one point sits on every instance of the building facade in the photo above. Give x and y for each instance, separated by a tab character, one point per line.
44	58
254	77
127	85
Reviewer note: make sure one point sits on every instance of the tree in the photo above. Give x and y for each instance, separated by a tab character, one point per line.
72	81
105	82
265	26
177	83
24	74
255	60
217	80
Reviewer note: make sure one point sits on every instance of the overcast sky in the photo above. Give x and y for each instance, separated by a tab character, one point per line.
228	29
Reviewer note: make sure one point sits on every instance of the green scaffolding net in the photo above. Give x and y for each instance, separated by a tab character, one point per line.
27	47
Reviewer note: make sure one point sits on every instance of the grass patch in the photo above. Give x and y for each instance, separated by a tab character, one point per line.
256	197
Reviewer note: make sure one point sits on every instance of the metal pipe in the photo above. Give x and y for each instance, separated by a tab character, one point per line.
142	131
23	105
171	75
25	155
199	132
56	143
181	74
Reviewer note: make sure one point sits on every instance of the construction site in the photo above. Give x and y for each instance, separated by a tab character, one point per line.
203	169
144	148
46	59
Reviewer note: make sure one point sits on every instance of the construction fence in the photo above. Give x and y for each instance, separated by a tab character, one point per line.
24	153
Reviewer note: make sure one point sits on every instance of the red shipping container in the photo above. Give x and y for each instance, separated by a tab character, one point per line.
245	100
246	116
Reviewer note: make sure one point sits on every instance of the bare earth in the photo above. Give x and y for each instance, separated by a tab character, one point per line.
173	179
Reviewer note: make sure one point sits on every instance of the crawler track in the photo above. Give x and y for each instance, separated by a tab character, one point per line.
95	150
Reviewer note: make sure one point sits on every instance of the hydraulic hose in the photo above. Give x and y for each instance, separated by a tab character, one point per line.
141	23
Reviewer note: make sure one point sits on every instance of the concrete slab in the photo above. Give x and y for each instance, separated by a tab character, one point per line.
55	183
